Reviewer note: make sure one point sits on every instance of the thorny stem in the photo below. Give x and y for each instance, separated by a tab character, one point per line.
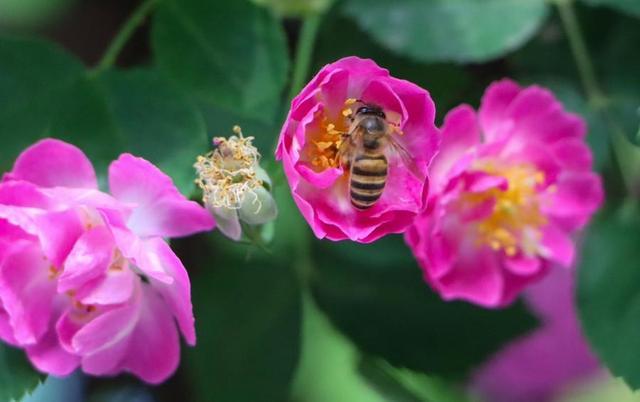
628	157
115	47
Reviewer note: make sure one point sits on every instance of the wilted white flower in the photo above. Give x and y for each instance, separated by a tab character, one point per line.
234	186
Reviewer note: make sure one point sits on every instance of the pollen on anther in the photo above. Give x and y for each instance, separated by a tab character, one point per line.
228	173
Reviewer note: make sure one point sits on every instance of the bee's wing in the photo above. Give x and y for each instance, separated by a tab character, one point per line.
407	160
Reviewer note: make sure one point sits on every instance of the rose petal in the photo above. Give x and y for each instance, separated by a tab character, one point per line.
154	347
161	209
27	291
52	163
89	259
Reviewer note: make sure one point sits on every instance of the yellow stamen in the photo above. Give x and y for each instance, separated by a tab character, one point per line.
516	218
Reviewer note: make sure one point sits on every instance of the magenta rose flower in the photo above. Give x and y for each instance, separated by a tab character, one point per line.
510	186
86	278
548	362
318	165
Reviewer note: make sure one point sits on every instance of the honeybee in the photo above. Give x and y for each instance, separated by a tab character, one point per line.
364	152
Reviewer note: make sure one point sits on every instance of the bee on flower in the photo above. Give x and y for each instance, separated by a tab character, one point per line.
355	148
234	187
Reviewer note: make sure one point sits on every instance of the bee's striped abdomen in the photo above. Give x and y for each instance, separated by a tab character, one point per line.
368	177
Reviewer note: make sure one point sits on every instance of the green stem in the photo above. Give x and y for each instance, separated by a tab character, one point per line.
627	156
304	51
581	54
115	47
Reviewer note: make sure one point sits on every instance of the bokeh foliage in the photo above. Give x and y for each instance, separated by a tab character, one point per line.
312	320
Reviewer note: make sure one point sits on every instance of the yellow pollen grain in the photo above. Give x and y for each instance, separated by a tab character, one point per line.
350	101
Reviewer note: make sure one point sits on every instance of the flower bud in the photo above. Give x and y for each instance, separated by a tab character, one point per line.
235	188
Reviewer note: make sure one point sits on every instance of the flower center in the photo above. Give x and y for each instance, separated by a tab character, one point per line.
514	223
323	143
228	173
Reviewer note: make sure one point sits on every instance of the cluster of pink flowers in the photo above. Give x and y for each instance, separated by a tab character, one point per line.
488	204
86	278
509	185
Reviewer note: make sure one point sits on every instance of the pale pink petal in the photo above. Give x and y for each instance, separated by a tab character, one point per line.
573	154
58	232
6	331
177	295
522	265
493	110
419	134
107	329
50	357
89	259
115	286
27	291
577	194
53	163
69	323
160	208
154	345
558	246
23	194
537	115
460	133
134	249
475	277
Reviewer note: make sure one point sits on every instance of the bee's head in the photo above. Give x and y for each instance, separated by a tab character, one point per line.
371	110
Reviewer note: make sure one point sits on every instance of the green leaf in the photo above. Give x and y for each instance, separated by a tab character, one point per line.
631	7
34	77
248	320
229	53
156	121
296	8
609	293
17	377
377	296
449	30
31	13
620	62
328	369
401	385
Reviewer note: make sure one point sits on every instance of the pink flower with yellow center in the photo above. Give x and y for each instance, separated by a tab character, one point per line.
87	279
510	186
322	156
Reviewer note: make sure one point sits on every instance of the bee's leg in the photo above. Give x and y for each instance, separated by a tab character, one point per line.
344	152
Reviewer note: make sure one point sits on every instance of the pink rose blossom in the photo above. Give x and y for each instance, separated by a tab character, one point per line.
86	278
548	362
509	187
316	126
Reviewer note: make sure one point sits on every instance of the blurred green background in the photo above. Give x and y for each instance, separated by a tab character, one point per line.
315	321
